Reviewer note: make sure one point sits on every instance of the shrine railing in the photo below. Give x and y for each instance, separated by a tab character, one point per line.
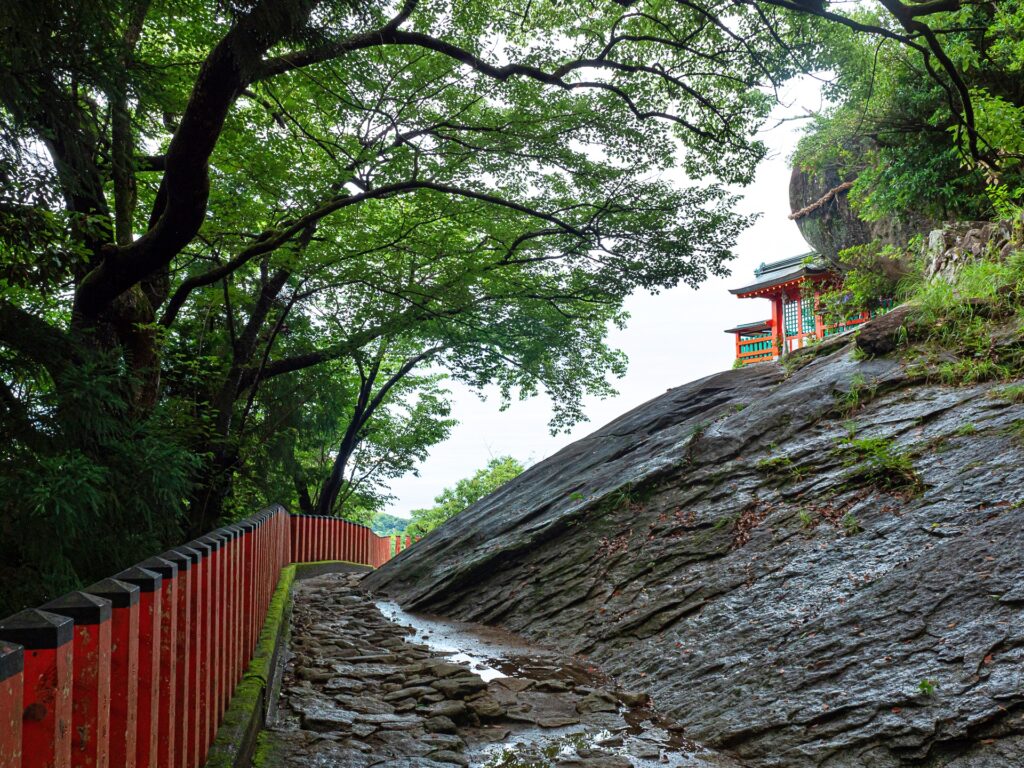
755	349
759	349
136	671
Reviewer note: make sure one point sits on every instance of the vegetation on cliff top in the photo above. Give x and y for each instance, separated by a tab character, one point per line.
899	133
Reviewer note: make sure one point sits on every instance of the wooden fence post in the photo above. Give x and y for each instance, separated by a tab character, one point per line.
185	559
47	639
12	682
124	667
90	706
165	712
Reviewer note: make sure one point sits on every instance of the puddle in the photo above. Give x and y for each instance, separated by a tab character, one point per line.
490	653
636	736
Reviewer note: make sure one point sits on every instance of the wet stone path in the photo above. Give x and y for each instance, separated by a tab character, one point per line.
366	684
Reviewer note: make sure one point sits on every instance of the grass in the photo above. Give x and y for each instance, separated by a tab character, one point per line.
970	370
878	462
781	469
806	519
1013	393
965	429
960	318
953	325
859	393
1016	430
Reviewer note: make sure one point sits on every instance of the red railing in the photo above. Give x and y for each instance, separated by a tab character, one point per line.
137	670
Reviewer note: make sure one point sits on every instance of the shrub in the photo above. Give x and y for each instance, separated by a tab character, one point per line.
871	277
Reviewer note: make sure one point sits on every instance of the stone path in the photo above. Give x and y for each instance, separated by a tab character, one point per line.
365	684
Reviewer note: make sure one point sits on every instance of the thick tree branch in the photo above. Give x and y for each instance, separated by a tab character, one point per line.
185	185
273	239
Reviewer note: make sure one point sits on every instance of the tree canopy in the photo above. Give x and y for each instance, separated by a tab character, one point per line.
465	493
933	139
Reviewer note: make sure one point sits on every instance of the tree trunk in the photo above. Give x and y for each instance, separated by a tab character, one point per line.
332	486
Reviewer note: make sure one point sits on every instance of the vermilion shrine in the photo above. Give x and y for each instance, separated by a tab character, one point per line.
794	287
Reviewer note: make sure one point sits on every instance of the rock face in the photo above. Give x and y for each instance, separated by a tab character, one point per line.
829	223
821	568
833	226
949	248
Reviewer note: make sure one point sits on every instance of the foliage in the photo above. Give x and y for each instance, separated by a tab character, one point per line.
464	494
806	519
1013	393
1015	429
871	275
958	322
859	393
781	469
384	524
851	526
878	462
66	514
915	146
292	443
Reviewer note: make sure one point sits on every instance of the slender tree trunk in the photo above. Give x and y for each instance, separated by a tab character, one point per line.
332	486
364	410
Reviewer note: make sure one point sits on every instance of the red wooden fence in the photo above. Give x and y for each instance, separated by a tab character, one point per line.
136	671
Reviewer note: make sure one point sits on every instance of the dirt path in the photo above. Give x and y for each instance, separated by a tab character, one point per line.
367	684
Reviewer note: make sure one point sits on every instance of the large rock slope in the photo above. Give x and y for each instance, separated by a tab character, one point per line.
720	548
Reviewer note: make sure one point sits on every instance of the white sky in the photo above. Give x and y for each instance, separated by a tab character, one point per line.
672	338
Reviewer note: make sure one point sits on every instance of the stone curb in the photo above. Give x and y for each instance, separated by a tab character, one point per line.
236	737
235	744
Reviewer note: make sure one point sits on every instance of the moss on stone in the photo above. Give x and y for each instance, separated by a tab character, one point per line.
263	756
244	716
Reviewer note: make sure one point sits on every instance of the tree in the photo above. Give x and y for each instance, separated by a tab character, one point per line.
464	494
202	200
894	131
291	443
388	525
947	39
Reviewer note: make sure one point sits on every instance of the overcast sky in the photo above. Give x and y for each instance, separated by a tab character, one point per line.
672	338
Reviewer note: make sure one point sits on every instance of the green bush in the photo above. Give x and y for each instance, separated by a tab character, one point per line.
871	277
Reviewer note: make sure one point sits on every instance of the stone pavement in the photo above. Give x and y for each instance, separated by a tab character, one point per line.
359	690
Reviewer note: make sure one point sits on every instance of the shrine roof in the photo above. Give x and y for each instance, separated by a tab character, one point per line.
784	271
760	325
769	270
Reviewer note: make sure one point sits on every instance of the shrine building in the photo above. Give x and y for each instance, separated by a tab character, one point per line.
793	286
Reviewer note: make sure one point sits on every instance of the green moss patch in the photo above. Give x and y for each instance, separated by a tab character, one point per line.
235	742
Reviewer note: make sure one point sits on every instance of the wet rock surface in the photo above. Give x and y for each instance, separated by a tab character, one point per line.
816	567
365	684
